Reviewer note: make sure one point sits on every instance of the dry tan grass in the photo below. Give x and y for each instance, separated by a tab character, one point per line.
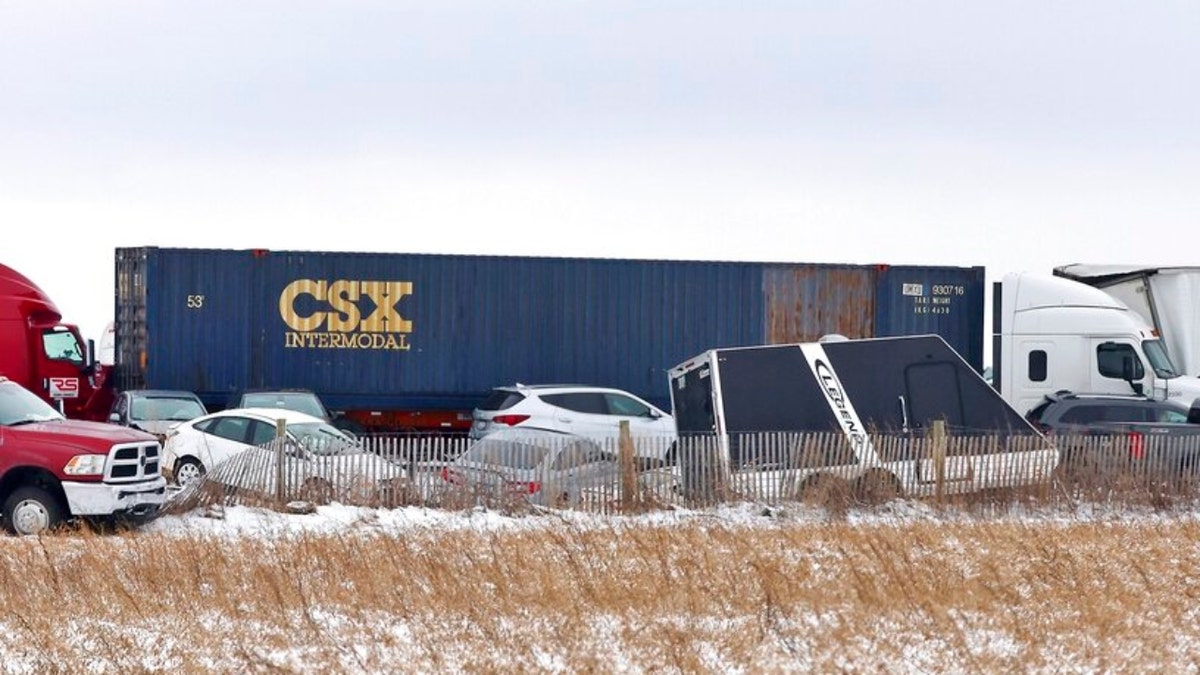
700	595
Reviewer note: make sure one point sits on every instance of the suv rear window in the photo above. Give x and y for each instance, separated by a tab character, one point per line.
500	399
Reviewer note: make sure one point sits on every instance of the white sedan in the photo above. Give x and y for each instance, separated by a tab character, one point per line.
315	460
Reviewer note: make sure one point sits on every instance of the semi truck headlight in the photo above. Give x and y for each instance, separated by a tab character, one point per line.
85	465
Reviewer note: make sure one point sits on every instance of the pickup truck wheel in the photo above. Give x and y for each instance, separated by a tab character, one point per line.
31	510
188	471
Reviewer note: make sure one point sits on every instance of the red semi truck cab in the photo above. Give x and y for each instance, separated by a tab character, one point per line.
53	469
47	356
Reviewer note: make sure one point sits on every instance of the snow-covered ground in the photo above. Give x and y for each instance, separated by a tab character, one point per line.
335	518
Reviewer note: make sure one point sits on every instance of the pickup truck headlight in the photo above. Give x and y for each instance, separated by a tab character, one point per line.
85	465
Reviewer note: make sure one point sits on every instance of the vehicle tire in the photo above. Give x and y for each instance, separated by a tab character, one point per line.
188	470
317	491
672	456
31	510
826	491
877	487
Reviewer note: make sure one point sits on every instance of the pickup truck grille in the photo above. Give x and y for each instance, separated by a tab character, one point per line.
133	462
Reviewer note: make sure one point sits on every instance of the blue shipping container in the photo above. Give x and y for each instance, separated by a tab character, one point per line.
384	331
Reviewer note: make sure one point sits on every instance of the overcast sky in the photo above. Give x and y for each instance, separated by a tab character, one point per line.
1012	135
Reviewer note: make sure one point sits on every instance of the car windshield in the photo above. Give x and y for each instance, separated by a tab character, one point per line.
172	408
299	401
18	405
1159	360
506	452
323	439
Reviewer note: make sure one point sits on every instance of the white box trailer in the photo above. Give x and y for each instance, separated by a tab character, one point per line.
1168	298
865	389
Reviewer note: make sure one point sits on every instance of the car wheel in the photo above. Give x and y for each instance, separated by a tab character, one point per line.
317	491
31	510
188	471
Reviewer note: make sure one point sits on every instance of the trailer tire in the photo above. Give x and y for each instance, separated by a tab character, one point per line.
31	510
877	487
824	490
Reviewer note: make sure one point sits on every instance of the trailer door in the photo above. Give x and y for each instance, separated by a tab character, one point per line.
693	401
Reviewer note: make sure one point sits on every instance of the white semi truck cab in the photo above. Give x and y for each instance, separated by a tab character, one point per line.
1052	334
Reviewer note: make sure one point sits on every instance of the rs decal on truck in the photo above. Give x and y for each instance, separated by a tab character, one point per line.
64	387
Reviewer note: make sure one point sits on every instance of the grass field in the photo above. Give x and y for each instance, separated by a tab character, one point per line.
903	588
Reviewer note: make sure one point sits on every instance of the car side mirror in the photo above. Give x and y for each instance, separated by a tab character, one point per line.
1194	412
115	418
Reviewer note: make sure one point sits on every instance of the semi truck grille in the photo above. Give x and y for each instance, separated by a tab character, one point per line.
133	462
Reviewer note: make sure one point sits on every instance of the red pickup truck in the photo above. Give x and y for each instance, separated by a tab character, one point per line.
53	469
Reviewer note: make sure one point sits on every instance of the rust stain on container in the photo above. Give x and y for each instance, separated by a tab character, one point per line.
804	302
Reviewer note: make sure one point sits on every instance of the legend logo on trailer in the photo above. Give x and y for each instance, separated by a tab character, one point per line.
333	315
839	402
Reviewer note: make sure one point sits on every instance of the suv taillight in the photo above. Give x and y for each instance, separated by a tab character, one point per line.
1137	445
510	420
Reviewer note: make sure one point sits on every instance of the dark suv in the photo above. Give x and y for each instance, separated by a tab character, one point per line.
1103	436
1067	412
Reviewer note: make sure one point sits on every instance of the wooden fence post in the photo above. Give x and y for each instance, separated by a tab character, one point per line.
937	448
626	460
280	441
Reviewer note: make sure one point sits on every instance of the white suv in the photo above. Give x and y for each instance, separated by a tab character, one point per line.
592	412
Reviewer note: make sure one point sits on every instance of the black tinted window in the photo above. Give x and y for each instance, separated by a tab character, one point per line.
592	404
1110	360
501	400
261	433
1084	414
232	428
1128	413
1171	415
623	405
1037	366
1036	414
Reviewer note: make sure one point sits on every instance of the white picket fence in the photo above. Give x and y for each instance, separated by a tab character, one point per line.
702	471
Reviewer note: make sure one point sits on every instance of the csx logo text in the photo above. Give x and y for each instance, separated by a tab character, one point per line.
342	298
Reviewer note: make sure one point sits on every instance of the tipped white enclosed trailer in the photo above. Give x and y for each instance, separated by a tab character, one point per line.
878	393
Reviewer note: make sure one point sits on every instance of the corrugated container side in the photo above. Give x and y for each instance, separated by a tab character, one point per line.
805	302
129	314
200	310
947	301
217	321
214	321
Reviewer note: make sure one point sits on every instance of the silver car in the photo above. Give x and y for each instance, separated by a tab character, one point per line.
544	466
155	410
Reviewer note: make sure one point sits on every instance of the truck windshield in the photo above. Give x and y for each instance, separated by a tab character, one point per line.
1159	360
18	405
61	343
